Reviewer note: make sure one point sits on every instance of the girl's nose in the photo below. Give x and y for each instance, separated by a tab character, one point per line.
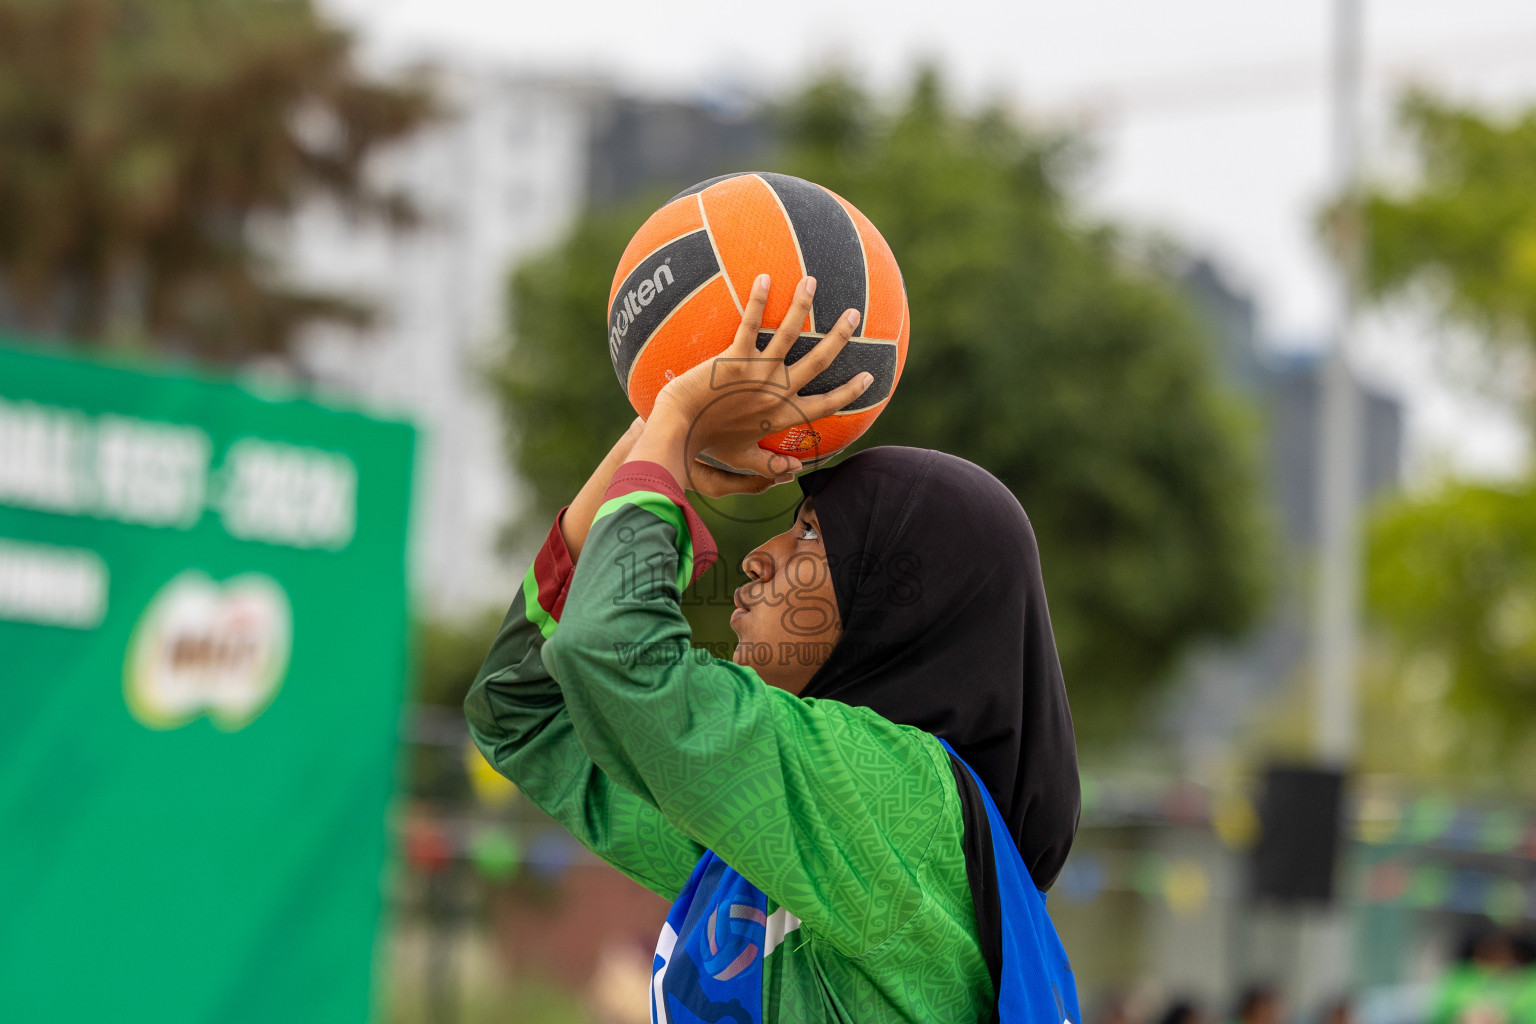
758	567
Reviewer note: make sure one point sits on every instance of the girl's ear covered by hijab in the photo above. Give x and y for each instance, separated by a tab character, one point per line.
945	627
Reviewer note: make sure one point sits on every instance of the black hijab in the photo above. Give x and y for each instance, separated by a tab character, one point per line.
945	628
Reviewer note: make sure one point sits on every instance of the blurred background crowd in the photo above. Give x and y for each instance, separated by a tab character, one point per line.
1122	249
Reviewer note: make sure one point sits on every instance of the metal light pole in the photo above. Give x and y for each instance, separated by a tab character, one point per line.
1339	426
1325	937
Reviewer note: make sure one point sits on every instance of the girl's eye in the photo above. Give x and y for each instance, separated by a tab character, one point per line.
807	531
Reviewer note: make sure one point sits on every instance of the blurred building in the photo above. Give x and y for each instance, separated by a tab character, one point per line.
1225	688
1288	387
500	178
1181	911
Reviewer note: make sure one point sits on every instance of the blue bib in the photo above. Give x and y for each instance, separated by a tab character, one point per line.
1036	986
709	957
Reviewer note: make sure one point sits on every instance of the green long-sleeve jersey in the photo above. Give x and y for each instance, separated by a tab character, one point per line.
651	752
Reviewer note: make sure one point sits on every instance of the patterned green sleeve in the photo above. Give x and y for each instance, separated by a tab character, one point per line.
827	808
519	720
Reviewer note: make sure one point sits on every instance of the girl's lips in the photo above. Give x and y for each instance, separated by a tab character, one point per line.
738	613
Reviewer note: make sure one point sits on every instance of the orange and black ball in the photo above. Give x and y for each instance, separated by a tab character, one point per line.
678	292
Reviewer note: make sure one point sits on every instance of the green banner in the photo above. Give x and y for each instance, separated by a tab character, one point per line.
203	624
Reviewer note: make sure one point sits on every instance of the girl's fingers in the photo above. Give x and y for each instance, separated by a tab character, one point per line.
789	327
819	358
838	398
717	483
765	463
745	342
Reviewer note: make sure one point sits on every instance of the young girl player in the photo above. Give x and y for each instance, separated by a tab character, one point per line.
857	815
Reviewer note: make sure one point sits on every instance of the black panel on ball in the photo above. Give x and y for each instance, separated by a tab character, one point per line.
1299	830
878	357
830	247
654	289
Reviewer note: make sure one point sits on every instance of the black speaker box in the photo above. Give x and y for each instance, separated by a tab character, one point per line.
1299	832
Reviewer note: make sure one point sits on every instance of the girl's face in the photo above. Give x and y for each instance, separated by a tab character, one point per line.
786	620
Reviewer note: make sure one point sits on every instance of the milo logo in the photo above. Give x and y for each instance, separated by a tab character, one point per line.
208	648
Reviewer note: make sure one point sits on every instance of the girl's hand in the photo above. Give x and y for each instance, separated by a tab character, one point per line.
717	483
727	404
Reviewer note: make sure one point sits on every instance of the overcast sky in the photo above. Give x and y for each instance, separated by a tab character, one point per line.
1210	117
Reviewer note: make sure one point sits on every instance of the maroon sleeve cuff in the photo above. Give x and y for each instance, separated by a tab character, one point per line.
650	476
552	569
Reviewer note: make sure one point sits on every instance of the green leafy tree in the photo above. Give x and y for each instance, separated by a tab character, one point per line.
1039	350
1465	230
140	140
1452	575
